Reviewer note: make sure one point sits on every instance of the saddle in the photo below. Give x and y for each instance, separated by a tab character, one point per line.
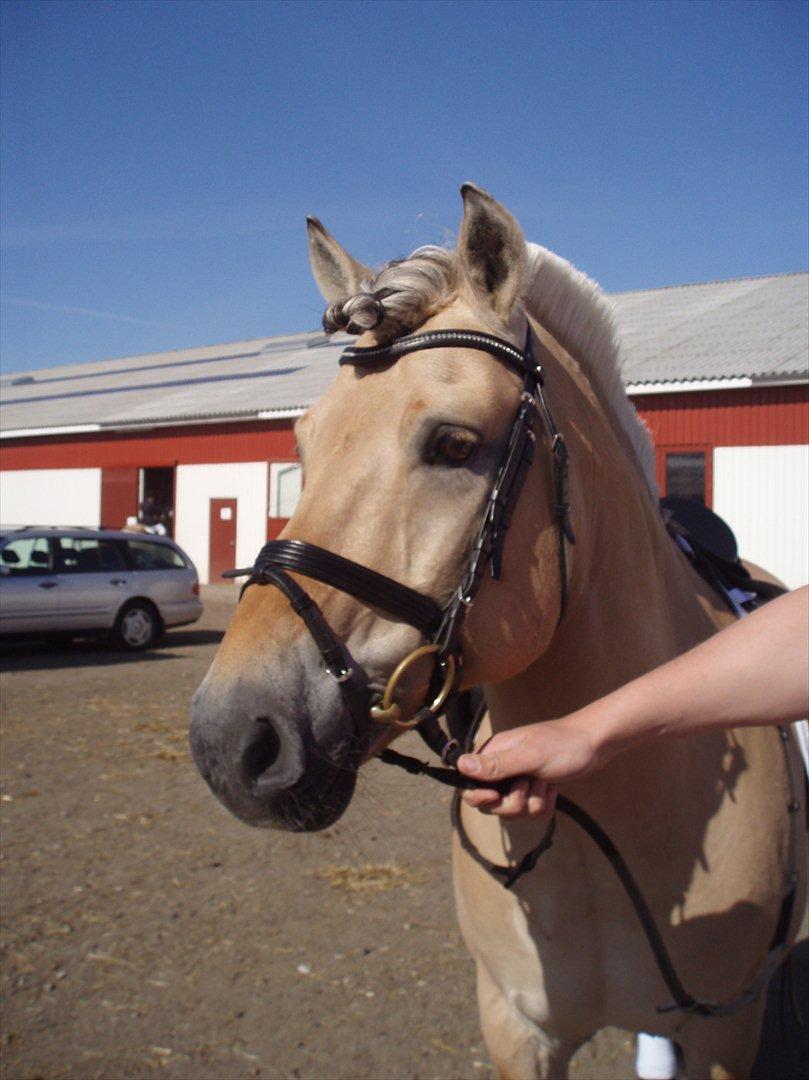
710	546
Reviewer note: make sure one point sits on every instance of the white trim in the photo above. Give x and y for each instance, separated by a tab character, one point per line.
689	384
281	414
26	433
740	383
149	425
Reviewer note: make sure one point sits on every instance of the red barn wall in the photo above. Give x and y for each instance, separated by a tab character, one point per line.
181	445
763	416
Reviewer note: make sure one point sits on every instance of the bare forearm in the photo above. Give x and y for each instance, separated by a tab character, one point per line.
754	672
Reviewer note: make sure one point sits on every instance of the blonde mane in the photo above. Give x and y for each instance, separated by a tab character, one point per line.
576	312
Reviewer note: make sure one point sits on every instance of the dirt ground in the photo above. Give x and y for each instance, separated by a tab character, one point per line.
147	933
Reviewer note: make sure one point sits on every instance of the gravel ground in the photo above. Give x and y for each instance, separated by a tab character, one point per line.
147	933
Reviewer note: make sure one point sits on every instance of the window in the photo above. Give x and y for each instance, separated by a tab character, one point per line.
685	475
28	555
77	555
146	555
285	488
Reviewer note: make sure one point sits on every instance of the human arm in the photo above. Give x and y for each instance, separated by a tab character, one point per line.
754	672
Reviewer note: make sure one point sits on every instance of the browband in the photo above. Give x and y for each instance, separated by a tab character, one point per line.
372	355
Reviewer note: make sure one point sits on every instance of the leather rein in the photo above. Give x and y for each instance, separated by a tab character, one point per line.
441	627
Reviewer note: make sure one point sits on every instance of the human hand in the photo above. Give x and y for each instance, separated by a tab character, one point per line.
537	757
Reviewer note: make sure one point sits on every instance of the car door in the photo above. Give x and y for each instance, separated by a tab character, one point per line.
161	572
93	580
29	592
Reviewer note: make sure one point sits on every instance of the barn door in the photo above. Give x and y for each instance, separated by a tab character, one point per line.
119	497
222	545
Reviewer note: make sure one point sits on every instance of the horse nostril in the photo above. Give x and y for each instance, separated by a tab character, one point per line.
262	751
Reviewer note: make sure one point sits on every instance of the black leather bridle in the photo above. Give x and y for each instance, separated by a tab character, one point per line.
440	626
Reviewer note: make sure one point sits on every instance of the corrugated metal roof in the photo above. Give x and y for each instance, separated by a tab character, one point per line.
224	381
756	328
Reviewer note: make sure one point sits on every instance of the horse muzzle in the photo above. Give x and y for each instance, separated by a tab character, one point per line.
274	769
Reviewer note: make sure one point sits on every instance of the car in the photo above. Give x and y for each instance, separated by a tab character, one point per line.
62	581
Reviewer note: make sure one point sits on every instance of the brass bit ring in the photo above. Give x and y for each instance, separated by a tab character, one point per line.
389	712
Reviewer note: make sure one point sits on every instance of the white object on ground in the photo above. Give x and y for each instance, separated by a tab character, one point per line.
655	1057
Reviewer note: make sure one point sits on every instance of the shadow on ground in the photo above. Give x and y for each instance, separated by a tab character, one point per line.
43	655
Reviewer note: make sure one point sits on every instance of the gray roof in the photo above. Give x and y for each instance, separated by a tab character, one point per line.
278	374
756	328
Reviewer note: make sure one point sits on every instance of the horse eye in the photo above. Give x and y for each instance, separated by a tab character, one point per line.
452	447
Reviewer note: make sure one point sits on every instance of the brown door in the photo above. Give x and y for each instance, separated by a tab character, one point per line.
222	550
119	497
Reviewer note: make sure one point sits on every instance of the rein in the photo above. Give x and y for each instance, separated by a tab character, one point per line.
442	627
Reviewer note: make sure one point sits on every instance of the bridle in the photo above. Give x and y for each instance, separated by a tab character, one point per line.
440	626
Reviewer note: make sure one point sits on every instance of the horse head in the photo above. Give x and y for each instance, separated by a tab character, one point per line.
399	460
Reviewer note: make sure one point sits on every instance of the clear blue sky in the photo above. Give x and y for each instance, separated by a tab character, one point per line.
159	158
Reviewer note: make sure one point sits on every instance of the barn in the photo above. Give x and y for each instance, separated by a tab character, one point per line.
203	438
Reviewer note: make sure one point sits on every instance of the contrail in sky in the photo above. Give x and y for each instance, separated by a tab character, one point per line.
16	301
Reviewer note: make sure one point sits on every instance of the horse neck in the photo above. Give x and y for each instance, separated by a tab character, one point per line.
634	602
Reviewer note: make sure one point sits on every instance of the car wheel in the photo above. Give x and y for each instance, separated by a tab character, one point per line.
137	626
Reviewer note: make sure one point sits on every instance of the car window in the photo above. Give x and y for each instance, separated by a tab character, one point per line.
26	555
78	555
146	555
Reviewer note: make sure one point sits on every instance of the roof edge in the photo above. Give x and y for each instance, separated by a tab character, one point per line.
689	385
712	281
158	422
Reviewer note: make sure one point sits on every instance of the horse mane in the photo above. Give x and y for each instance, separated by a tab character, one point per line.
405	293
572	307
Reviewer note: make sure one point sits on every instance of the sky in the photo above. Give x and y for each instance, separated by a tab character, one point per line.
159	159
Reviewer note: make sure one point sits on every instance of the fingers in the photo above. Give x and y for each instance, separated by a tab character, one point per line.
532	799
492	764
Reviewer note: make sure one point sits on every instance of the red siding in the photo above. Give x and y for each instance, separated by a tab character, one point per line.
773	416
119	496
274	527
201	444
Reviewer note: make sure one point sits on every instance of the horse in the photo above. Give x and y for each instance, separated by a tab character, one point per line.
399	459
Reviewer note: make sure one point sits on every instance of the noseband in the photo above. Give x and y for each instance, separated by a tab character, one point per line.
440	626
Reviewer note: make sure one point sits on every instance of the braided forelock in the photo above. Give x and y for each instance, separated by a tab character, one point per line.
401	296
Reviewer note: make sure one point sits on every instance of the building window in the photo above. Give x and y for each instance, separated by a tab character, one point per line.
285	488
686	475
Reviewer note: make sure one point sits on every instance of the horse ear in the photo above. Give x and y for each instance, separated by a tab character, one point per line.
491	248
337	274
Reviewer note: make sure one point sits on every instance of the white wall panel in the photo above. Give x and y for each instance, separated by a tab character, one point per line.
196	485
50	497
763	494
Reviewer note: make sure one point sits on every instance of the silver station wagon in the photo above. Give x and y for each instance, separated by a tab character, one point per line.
75	581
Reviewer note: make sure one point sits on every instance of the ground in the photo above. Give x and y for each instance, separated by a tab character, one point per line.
148	933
